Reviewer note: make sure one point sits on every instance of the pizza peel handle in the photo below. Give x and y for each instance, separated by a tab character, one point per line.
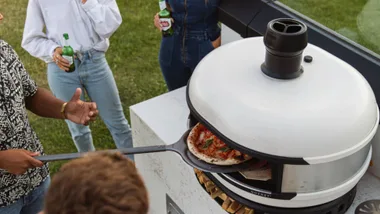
180	147
59	157
125	151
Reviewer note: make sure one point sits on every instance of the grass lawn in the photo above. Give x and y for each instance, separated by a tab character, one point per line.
358	20
133	57
134	52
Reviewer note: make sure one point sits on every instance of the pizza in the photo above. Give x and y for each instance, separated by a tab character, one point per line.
209	148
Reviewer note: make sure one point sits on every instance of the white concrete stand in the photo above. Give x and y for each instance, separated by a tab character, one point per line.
163	120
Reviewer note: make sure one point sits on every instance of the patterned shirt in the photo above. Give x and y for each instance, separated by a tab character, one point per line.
15	130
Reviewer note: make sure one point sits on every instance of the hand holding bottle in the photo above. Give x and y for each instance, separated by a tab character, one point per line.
163	20
59	60
64	57
157	22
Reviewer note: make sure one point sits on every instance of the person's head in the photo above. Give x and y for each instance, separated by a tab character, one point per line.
100	183
1	17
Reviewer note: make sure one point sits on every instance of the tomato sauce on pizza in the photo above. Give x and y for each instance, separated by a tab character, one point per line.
208	147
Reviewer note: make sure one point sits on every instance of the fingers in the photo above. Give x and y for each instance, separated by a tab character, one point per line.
34	162
31	153
157	22
76	95
94	112
86	115
217	42
93	106
60	61
34	154
58	51
81	112
62	66
93	118
85	120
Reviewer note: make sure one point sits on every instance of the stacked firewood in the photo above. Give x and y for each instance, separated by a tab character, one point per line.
229	204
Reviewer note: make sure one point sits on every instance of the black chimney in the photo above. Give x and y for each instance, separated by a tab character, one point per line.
285	39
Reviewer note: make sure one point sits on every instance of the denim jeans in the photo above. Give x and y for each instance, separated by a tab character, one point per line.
32	203
93	75
195	27
180	54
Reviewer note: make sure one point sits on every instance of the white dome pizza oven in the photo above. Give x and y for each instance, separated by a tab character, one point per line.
308	114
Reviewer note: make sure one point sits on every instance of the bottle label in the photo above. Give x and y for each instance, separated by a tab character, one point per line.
162	5
69	58
166	23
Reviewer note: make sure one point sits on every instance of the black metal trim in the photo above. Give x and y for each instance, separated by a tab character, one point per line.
234	145
263	193
277	175
329	207
236	14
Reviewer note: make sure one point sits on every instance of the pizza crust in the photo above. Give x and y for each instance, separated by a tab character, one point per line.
191	141
208	159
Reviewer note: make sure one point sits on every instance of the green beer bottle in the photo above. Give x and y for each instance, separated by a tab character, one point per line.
68	53
165	19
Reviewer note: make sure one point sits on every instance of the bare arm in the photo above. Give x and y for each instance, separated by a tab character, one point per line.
44	104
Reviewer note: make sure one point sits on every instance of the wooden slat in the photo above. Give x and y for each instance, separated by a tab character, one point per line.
229	205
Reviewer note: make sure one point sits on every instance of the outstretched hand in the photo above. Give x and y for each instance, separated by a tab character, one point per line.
80	112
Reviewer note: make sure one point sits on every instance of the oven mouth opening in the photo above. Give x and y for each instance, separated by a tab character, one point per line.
195	117
192	122
264	175
237	178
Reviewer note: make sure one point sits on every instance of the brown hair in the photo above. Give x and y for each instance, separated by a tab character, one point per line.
100	183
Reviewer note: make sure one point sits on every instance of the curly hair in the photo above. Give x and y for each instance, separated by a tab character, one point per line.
102	183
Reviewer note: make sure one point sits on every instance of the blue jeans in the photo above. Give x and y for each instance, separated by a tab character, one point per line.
93	75
32	203
180	54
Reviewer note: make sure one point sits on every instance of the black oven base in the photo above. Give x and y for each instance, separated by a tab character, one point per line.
337	206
